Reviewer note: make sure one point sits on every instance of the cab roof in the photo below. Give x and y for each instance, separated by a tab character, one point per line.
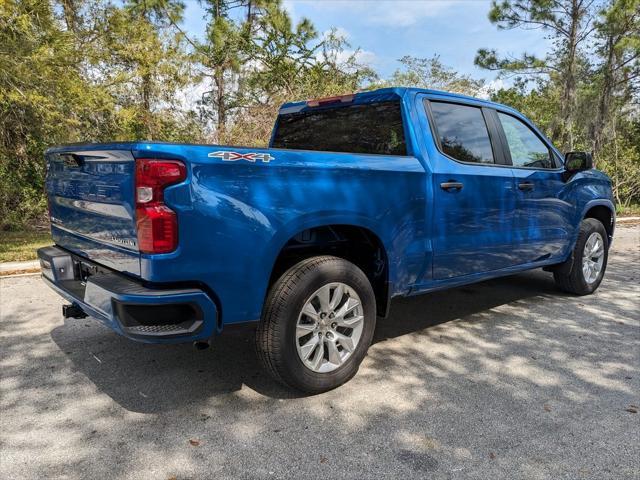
389	93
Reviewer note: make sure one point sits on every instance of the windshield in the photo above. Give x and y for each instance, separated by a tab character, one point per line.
374	128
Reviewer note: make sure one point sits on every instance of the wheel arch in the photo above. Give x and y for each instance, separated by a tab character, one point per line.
355	241
603	211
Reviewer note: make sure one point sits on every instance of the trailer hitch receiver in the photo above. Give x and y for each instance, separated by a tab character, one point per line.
73	311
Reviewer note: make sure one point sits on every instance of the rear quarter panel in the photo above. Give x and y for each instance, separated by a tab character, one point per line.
235	216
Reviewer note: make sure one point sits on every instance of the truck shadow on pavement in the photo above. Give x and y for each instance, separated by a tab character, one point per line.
508	378
155	378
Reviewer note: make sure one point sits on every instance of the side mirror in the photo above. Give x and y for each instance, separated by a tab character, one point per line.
577	161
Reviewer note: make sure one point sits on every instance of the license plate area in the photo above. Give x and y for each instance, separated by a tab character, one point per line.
83	270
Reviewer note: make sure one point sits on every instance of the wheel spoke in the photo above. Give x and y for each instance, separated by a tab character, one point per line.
346	342
319	356
338	293
598	252
323	298
334	354
348	306
307	349
303	329
310	311
351	322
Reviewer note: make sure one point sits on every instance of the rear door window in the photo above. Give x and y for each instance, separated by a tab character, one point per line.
374	128
462	132
525	147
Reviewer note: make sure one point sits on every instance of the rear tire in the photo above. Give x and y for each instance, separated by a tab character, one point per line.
590	256
317	324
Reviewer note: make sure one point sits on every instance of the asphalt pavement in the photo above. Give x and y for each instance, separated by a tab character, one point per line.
506	379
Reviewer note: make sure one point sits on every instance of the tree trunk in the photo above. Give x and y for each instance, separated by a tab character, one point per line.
604	105
147	121
221	106
71	17
564	130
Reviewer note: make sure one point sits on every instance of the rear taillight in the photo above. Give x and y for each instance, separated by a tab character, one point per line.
157	224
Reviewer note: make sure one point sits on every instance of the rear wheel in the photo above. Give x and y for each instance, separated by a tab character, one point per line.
317	324
590	256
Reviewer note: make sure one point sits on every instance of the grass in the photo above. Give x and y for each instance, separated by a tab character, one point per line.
632	210
21	246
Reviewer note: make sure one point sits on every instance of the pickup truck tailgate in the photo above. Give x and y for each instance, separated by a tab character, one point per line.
90	191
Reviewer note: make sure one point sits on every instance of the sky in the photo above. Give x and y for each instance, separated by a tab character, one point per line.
386	30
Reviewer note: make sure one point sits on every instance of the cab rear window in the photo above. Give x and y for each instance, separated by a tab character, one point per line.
373	128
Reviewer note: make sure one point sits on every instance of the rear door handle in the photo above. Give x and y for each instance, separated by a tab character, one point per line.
448	186
526	186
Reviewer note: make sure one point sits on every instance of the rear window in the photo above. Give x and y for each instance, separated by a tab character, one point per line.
368	128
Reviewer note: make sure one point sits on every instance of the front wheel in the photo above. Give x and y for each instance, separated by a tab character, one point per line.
317	324
590	256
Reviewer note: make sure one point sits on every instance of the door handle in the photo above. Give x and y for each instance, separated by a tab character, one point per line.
525	186
448	186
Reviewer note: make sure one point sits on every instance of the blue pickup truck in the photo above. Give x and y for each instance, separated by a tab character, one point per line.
358	199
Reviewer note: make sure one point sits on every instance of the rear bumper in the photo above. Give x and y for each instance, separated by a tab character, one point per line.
151	315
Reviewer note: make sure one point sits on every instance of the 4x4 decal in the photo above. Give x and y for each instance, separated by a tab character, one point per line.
249	157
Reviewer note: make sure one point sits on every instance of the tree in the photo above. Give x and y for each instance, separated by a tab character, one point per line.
336	69
570	24
148	57
292	63
617	76
44	99
79	71
230	33
585	91
281	54
432	73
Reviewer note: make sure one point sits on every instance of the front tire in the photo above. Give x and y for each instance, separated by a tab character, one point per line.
317	324
590	256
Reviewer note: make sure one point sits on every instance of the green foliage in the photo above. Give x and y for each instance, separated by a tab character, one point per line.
102	70
96	73
432	73
293	64
585	92
96	70
143	65
620	159
44	100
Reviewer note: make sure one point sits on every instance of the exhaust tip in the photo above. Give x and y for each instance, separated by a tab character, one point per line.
201	345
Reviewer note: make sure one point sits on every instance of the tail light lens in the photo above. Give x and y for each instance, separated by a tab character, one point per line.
157	224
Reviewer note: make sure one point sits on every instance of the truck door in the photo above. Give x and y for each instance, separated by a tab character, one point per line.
473	219
542	218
